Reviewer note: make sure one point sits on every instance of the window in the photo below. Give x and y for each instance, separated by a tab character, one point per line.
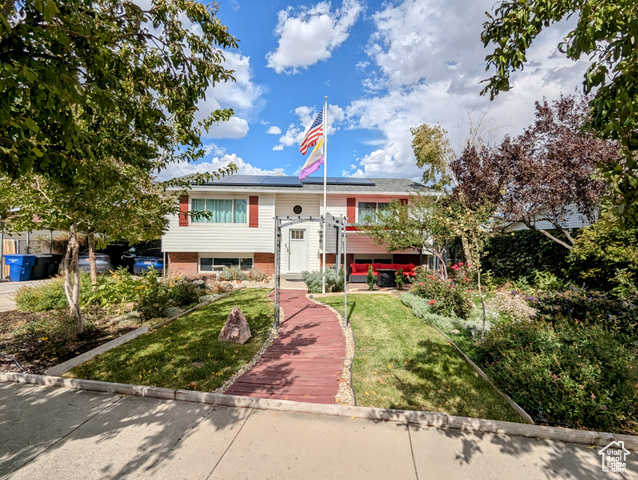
368	211
222	211
218	264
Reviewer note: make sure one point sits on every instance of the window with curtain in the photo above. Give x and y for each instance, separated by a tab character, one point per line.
221	210
368	211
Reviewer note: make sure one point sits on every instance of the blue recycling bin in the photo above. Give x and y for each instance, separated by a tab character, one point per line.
19	266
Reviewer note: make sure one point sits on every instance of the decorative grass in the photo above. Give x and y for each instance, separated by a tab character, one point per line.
186	354
402	363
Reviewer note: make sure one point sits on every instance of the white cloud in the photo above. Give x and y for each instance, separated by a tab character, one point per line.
243	96
311	35
243	168
274	130
428	70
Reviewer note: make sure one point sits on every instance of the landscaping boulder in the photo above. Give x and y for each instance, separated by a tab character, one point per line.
236	329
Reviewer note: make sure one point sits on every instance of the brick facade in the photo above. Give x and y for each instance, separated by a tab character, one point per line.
184	264
265	262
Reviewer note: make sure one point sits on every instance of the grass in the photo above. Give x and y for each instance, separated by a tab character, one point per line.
402	363
186	353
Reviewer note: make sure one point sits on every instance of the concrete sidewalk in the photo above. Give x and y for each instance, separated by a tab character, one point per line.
50	433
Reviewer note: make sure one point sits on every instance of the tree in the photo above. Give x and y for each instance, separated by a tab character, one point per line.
420	224
550	169
605	33
70	69
96	98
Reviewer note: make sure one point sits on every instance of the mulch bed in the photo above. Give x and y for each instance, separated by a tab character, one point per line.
39	341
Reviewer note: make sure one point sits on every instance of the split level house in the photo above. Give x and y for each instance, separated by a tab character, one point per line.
240	230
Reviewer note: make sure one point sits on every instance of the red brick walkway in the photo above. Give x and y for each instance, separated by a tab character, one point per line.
305	361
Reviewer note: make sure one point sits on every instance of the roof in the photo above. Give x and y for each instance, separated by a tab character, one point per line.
265	183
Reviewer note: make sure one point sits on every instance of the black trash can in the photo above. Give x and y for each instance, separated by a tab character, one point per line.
41	267
54	265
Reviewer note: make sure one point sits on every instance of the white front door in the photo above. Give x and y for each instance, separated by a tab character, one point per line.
297	251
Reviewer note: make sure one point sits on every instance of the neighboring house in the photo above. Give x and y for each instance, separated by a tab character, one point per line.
571	219
244	207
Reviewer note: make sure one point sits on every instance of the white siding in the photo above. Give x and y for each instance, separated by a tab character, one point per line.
217	237
574	220
310	208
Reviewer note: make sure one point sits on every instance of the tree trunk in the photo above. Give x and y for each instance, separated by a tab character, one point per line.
466	250
72	279
91	242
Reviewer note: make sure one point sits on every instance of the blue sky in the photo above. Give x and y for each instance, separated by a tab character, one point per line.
385	67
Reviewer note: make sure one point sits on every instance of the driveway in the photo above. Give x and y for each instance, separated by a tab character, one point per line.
8	289
49	433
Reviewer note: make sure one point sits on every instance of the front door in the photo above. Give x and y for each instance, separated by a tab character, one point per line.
297	251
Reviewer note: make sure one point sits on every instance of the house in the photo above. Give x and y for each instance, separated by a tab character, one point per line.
241	230
568	218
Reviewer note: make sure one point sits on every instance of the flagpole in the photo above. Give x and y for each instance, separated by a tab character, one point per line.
325	189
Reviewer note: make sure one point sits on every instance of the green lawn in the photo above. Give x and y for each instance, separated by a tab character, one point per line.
402	363
186	353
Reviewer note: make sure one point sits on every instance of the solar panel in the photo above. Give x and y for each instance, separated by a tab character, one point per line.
242	180
355	181
276	181
319	181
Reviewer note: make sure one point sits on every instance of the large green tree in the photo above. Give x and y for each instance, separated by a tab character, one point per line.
96	97
72	68
605	34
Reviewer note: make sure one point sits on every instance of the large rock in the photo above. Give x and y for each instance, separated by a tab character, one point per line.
236	329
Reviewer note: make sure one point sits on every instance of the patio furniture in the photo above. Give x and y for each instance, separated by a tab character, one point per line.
387	277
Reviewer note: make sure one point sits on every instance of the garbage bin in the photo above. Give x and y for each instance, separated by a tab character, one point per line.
54	265
41	267
20	266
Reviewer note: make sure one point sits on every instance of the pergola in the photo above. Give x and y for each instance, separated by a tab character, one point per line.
337	222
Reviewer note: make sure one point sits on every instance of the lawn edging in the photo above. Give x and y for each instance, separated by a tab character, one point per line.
526	416
62	368
429	419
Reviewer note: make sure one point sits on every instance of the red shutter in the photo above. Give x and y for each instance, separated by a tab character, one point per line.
183	211
253	211
352	210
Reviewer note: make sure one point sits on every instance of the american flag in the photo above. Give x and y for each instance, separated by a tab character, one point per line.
316	131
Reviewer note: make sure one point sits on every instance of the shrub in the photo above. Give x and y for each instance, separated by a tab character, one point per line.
154	296
371	279
518	254
581	375
257	275
446	297
334	280
233	273
49	296
399	279
605	256
589	308
185	293
115	289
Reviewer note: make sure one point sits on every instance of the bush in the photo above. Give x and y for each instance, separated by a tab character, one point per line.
519	254
233	273
589	308
606	257
115	289
445	297
399	279
334	280
371	279
581	375
257	275
49	296
154	296
185	293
